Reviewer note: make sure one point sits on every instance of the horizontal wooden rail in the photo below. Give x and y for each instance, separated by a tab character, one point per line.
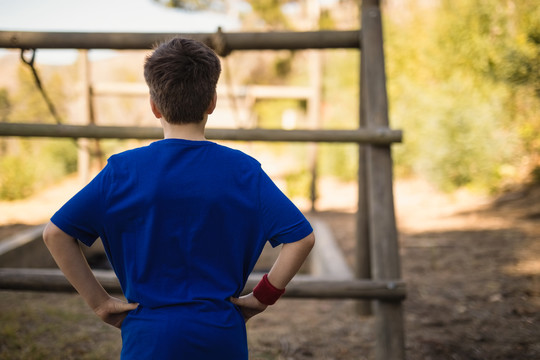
377	136
302	286
222	43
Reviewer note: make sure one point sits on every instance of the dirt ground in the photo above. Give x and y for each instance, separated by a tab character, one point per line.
471	264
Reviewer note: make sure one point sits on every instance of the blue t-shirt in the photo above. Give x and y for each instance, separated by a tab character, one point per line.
183	224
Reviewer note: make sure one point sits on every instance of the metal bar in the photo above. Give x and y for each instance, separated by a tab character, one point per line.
222	42
379	136
302	286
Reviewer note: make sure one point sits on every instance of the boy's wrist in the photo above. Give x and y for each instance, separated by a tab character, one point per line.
266	293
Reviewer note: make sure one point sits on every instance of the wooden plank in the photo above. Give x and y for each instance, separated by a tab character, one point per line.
372	135
300	287
327	258
385	262
20	238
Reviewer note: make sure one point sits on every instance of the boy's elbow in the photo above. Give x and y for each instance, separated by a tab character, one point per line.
51	233
309	241
47	234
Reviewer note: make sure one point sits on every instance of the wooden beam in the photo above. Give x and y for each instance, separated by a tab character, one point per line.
222	43
384	252
52	280
372	135
362	250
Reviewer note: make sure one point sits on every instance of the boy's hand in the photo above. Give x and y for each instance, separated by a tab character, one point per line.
249	305
113	311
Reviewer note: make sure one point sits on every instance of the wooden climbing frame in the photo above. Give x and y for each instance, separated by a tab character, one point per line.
378	263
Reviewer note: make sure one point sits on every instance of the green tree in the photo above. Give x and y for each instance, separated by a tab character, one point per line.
28	102
28	164
270	12
5	105
5	110
464	122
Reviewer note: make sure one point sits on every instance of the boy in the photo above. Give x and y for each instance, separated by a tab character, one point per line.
183	222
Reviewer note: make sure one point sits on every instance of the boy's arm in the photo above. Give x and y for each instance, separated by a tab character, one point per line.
290	259
70	259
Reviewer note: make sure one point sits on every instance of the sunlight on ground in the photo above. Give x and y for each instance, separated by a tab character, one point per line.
332	195
524	267
420	207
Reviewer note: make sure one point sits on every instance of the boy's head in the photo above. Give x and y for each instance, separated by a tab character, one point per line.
182	75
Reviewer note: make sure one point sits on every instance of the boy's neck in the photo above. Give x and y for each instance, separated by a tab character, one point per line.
194	132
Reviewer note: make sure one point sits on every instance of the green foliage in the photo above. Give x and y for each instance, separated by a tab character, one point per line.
62	153
326	22
5	105
298	183
536	175
283	65
28	103
270	112
276	68
340	111
34	164
270	12
17	177
28	164
339	161
461	81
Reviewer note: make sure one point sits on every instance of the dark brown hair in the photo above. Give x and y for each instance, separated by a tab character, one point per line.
182	75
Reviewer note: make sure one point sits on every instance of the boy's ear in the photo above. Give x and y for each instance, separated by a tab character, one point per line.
212	105
155	110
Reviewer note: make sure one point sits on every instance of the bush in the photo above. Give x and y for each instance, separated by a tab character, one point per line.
339	161
298	184
17	177
64	153
35	164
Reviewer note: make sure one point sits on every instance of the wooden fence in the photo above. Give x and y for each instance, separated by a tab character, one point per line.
378	262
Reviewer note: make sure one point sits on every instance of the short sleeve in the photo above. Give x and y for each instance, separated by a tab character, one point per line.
82	215
282	221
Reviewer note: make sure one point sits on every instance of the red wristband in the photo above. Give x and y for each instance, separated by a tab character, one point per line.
267	293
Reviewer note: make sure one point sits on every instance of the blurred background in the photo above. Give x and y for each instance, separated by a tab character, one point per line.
463	81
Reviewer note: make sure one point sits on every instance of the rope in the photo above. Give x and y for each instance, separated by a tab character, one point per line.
52	109
37	80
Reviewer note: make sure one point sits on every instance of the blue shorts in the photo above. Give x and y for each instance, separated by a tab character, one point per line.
184	333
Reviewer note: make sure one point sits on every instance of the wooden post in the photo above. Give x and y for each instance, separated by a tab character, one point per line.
84	157
314	115
385	262
314	102
363	262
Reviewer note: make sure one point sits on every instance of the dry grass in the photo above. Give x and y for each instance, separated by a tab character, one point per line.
53	326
